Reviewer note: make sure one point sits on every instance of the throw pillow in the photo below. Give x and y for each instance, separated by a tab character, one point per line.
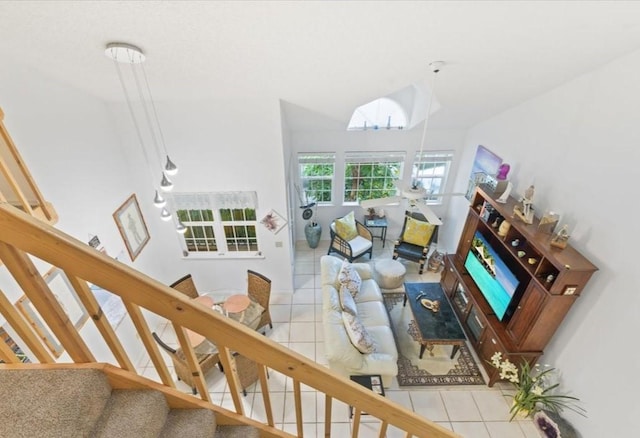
358	335
350	278
346	227
417	232
347	302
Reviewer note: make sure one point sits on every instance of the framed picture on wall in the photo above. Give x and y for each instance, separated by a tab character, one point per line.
273	222
485	165
132	227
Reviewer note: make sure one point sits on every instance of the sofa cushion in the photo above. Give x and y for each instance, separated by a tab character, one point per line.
373	313
369	291
346	227
347	303
383	340
350	278
359	245
358	334
417	232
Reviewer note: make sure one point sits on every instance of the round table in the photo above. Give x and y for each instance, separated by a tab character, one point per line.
236	303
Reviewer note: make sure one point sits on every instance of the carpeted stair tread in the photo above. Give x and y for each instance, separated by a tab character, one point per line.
191	423
132	413
51	403
237	432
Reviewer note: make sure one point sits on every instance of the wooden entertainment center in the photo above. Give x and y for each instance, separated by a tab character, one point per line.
551	280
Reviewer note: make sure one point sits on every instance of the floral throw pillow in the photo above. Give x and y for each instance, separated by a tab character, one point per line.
359	336
350	278
347	302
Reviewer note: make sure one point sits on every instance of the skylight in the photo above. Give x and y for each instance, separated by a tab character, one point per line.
382	113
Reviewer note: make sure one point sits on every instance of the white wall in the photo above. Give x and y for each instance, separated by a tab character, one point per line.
579	144
86	158
339	141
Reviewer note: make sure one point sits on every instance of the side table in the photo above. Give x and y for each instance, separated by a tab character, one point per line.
371	381
374	383
377	222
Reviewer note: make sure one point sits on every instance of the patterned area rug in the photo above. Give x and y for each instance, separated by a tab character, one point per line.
438	369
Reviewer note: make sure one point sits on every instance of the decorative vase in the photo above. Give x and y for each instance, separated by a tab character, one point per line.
312	232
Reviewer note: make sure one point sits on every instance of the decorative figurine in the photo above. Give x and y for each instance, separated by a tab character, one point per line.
525	211
561	238
528	200
503	170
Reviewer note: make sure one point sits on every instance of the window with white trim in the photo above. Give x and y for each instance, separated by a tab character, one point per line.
317	176
431	171
371	175
219	223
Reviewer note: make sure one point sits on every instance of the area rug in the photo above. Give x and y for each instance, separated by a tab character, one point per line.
438	369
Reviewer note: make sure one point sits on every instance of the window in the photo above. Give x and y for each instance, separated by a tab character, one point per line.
371	175
383	113
316	176
240	228
431	171
223	223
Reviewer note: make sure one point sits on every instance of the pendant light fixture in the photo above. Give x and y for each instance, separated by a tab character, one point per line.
128	54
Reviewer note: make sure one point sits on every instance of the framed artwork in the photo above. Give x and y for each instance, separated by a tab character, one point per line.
132	227
485	165
273	222
61	288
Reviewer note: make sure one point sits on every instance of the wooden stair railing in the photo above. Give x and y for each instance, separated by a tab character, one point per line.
21	235
17	186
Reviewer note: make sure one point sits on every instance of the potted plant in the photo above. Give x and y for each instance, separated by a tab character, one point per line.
535	388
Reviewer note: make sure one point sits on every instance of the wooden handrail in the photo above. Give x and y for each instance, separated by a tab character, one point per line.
20	233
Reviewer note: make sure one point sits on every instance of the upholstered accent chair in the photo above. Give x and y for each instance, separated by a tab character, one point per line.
415	239
350	238
259	290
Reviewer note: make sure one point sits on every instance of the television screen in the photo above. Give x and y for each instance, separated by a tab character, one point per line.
495	280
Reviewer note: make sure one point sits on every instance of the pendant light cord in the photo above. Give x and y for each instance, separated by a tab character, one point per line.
426	123
135	120
155	111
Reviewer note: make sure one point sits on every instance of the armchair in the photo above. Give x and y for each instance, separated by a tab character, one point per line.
356	244
415	239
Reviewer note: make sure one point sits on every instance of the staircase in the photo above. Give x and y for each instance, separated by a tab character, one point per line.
71	402
47	400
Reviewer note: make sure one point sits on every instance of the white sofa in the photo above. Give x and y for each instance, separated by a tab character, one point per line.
342	355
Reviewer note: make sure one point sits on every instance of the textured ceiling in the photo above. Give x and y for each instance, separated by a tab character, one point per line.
327	57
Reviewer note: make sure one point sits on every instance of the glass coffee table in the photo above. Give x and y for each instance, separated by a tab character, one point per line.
435	328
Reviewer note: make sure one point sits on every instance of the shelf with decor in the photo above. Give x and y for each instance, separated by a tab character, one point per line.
538	283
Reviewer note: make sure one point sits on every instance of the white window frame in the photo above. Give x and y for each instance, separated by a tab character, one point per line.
431	161
363	158
317	158
215	201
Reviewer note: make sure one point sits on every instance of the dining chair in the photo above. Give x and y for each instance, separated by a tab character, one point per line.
186	286
259	290
207	361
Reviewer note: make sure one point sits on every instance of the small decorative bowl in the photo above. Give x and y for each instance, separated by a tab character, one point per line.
532	261
521	254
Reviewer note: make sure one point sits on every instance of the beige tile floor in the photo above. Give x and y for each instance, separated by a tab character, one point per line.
471	411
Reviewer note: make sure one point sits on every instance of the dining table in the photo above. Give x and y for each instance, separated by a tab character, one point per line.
240	308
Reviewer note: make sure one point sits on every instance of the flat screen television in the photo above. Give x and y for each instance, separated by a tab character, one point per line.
497	282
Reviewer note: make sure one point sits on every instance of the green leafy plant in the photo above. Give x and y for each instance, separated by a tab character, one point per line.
535	388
